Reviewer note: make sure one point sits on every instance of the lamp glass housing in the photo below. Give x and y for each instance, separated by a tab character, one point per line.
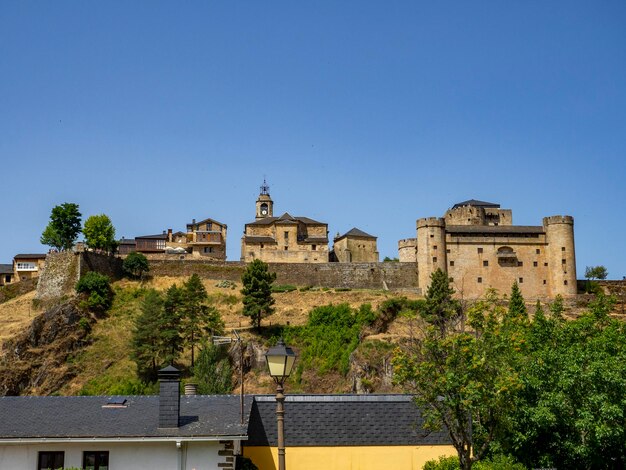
280	360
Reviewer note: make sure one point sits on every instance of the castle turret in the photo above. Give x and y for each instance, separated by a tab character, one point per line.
431	249
560	254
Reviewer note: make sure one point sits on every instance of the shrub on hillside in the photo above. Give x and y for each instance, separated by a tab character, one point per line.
136	265
96	288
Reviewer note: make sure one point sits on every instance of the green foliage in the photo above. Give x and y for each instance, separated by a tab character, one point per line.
390	309
517	306
443	463
100	233
257	291
136	265
440	309
106	385
284	288
343	289
331	335
148	348
596	272
63	228
390	260
212	371
97	288
499	462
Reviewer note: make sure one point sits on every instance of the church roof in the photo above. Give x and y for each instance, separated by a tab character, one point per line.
476	203
355	232
285	218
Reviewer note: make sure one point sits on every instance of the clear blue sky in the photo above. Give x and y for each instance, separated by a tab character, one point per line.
360	114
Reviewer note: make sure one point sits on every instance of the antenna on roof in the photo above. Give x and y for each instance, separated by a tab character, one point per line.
265	189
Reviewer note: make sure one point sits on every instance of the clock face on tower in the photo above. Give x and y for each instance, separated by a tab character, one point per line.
263	209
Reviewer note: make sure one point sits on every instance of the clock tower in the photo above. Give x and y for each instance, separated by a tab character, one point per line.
264	203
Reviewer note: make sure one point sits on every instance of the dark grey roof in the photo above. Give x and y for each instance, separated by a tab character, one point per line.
318	240
355	232
285	218
476	203
495	229
30	256
85	417
160	236
204	221
341	420
6	269
127	241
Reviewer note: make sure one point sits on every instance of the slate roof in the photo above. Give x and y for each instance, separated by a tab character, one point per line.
30	256
476	203
127	241
204	221
355	232
495	229
253	239
84	417
6	269
341	420
160	236
286	218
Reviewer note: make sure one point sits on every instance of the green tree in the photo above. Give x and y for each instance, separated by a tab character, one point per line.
197	317
465	381
100	233
171	324
97	288
257	291
136	265
147	342
213	371
440	309
596	272
63	228
517	305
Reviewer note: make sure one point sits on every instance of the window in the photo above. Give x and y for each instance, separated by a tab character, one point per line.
565	282
480	250
26	267
448	250
434	259
432	236
51	460
562	248
563	261
434	247
485	263
535	264
286	236
208	249
520	263
545	264
480	280
209	226
7	278
538	251
451	279
544	282
451	263
262	245
313	247
520	280
96	460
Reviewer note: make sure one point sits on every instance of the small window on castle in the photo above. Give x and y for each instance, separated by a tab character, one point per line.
451	263
434	259
520	263
535	264
480	280
286	248
520	280
565	282
538	251
480	250
434	247
262	246
451	279
545	264
544	282
562	248
286	235
432	235
485	263
448	250
563	261
314	247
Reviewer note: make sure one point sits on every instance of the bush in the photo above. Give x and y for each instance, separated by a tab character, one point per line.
97	288
283	288
135	265
444	463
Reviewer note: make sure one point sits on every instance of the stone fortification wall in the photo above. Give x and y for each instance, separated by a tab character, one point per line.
334	275
63	270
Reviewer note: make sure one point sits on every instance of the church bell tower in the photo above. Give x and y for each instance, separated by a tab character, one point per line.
264	203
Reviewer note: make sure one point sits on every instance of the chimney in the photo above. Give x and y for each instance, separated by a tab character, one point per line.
169	397
191	388
169	235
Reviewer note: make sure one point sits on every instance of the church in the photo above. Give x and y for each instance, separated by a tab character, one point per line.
283	239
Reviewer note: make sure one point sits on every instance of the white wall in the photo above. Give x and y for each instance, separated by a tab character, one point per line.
122	456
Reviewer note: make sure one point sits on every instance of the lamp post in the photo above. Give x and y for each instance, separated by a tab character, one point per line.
280	360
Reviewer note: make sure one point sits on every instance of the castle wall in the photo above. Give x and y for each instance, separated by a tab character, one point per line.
474	265
407	250
356	250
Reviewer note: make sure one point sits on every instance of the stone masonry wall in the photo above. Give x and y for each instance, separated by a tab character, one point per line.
334	275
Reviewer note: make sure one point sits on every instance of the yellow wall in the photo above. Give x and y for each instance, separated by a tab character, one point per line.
348	458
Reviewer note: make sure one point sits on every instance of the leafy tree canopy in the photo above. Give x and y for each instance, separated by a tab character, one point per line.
135	265
257	291
63	228
100	233
596	272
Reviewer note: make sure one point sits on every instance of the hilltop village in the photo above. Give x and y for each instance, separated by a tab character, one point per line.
475	243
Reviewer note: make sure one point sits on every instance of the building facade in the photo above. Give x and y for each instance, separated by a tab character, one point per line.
207	239
478	246
284	239
355	246
28	266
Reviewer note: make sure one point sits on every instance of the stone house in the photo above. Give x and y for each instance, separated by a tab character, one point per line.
7	275
355	246
28	266
207	239
478	246
284	239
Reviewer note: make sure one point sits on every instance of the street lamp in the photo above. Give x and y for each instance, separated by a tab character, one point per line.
280	360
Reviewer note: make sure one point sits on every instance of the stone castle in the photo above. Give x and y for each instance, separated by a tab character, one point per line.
478	246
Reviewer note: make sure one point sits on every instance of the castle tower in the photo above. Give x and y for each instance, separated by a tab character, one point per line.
431	249
264	203
560	255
